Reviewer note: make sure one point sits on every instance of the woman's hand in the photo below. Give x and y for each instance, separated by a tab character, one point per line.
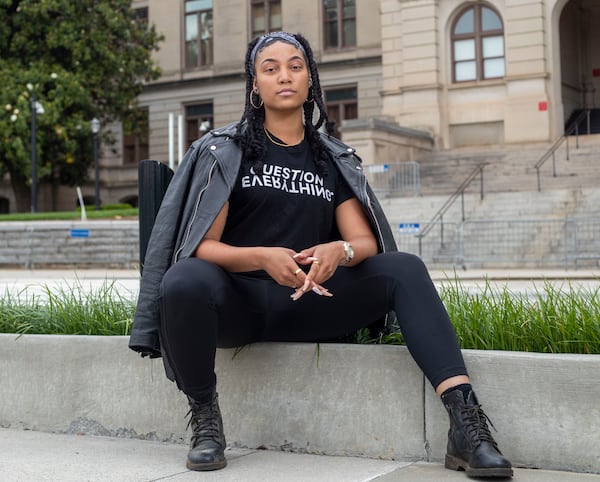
279	263
282	266
323	260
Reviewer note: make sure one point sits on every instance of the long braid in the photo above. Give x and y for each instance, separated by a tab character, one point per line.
253	139
317	147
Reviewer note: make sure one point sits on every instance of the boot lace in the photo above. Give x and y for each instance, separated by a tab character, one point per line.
204	420
476	424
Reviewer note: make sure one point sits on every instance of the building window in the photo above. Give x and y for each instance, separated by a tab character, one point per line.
477	45
340	23
198	33
342	104
198	121
136	133
140	15
266	16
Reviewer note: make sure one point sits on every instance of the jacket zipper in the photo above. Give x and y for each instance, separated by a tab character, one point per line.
189	226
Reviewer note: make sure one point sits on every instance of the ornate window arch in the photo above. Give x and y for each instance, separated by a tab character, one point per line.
477	38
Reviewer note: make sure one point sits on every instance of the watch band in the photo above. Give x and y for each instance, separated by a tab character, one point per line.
348	252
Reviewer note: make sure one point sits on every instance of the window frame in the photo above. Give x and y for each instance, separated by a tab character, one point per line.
342	104
477	35
207	113
201	62
267	8
340	20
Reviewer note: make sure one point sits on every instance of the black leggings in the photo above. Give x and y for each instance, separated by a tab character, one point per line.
204	307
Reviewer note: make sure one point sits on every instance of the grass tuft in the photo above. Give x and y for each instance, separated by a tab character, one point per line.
547	320
70	310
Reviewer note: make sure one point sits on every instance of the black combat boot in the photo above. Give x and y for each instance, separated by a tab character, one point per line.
208	440
471	446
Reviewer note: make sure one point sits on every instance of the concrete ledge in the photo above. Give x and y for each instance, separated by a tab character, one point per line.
363	400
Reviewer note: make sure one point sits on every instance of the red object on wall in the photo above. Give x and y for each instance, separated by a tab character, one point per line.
543	106
596	73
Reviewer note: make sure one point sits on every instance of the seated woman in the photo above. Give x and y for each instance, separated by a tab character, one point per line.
269	232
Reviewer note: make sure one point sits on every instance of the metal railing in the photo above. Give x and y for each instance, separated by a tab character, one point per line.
551	153
394	178
438	217
534	243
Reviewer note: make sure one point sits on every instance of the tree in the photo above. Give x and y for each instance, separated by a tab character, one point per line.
80	59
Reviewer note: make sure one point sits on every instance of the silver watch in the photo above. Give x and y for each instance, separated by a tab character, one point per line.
348	252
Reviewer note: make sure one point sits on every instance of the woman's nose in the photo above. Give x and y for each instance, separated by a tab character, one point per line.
284	76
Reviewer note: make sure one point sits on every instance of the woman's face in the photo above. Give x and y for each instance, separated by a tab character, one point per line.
281	78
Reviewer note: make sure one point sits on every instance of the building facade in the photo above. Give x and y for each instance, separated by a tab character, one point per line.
401	77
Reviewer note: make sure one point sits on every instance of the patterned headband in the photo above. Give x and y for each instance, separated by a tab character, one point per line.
272	37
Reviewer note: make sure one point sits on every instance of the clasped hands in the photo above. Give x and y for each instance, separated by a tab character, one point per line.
285	267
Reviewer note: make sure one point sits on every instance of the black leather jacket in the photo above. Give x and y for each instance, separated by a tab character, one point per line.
200	188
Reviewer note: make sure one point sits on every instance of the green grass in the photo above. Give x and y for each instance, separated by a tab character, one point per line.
73	310
107	212
549	320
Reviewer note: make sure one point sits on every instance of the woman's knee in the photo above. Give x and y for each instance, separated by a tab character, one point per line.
191	277
400	262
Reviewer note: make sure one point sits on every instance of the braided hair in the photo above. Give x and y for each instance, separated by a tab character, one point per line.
253	138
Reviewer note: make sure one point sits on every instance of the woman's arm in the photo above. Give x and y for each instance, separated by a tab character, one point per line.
355	229
277	262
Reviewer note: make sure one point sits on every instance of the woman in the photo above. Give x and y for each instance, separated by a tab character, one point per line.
269	232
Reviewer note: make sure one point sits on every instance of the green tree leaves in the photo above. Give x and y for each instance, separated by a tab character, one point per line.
83	59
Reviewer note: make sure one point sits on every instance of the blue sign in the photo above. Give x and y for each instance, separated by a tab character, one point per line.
409	228
374	168
80	233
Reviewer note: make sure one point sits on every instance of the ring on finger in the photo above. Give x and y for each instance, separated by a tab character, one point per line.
297	271
316	262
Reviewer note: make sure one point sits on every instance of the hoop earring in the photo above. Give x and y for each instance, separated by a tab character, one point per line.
253	104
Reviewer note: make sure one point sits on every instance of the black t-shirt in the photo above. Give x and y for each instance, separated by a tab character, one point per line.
288	204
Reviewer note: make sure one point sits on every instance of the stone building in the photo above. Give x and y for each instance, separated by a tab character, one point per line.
401	77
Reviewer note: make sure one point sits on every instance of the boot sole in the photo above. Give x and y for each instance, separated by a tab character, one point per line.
207	466
454	463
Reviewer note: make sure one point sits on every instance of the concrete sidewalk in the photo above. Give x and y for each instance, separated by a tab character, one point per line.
29	456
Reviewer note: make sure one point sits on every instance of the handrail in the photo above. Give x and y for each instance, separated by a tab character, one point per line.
574	127
460	191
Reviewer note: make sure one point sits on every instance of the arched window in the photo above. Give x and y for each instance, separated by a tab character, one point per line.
477	45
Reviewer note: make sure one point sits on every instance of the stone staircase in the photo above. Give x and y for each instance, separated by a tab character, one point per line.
514	225
511	168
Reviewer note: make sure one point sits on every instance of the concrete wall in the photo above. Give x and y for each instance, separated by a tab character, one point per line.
378	141
360	400
64	243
